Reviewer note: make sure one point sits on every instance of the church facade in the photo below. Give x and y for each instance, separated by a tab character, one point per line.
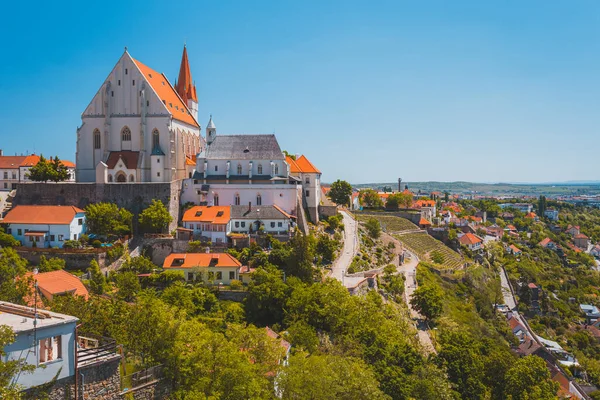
139	127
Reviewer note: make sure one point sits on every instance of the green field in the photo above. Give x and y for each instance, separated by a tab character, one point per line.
424	245
389	223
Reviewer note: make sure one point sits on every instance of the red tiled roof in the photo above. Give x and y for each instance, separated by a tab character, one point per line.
532	285
469	238
210	214
130	159
53	215
191	260
60	282
581	236
423	221
514	249
531	215
424	203
301	165
545	242
185	86
167	94
189	161
11	162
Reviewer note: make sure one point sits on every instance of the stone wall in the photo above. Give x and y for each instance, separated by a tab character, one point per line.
151	391
73	260
133	196
328	210
412	216
158	249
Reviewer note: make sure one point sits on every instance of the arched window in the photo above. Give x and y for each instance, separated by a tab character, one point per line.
276	169
126	134
155	139
239	169
260	169
110	178
131	178
258	200
236	199
216	199
97	142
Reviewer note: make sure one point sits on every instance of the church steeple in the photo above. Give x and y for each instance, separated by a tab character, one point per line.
185	86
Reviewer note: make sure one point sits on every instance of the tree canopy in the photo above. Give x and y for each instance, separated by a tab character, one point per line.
48	170
340	192
370	198
107	219
155	218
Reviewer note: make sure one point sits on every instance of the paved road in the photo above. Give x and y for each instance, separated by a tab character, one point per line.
340	266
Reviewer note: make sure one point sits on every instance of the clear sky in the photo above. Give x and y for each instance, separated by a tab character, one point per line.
482	91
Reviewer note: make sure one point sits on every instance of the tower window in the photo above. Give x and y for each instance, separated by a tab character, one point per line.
155	139
216	168
133	81
125	71
97	142
119	82
258	200
147	103
126	134
237	199
276	169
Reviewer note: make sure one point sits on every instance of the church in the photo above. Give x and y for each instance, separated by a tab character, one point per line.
139	127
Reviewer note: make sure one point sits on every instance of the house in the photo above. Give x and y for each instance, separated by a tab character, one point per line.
246	274
207	267
581	241
423	223
595	252
514	250
210	223
471	241
573	247
548	244
522	207
573	230
507	216
45	226
511	228
532	215
495	231
590	311
47	342
517	329
14	169
269	219
551	214
56	283
310	178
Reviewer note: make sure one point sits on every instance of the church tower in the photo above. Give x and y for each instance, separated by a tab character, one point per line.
185	86
211	131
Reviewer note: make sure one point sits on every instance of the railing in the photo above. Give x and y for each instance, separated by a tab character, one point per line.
92	350
140	378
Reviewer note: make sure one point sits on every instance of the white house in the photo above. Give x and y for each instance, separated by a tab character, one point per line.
551	214
49	344
250	219
45	226
523	207
472	242
139	127
310	178
208	222
206	267
14	169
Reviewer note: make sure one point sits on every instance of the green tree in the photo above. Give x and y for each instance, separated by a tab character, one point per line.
139	265
58	170
300	261
437	257
266	297
52	264
155	218
542	206
40	172
98	283
107	219
14	285
326	248
370	198
340	192
428	300
10	368
399	200
7	240
529	379
373	228
128	285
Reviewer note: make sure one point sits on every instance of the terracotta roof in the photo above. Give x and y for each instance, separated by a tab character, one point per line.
189	161
424	203
130	159
60	282
52	215
469	238
511	227
581	236
11	162
514	249
191	260
301	165
184	85
284	343
545	242
531	215
210	214
514	323
532	285
423	221
574	248
167	94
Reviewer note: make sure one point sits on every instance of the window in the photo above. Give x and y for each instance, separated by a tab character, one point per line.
31	238
119	82
133	82
61	238
307	192
14	175
110	179
5	175
231	275
190	276
126	134
50	349
19	232
219	275
74	236
52	238
260	169
5	185
131	178
9	231
243	224
276	169
239	169
280	224
272	224
147	103
158	160
307	180
216	199
158	174
237	224
155	139
237	199
97	142
80	221
112	93
216	168
258	200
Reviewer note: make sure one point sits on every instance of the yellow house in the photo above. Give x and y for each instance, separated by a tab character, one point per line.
207	267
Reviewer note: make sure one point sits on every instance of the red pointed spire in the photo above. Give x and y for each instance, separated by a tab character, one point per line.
185	86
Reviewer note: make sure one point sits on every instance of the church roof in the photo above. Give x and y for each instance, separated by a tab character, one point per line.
130	159
185	86
243	147
161	85
211	124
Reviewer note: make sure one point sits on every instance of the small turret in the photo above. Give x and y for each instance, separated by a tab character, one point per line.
211	131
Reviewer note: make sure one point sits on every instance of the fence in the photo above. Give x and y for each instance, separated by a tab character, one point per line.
92	350
140	378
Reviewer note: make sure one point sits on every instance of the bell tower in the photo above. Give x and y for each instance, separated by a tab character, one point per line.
185	86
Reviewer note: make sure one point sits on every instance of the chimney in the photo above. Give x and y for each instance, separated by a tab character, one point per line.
1	153
249	206
399	184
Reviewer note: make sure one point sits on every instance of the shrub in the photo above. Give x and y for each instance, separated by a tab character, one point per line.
96	244
236	285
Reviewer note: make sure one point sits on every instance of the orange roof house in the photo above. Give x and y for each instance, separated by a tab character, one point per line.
301	165
219	215
469	239
423	203
423	223
42	215
514	249
55	283
213	268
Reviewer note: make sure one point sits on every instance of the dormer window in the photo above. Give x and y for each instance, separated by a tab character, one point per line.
178	261
220	214
246	150
150	75
198	213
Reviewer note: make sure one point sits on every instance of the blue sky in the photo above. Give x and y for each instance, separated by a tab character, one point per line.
369	91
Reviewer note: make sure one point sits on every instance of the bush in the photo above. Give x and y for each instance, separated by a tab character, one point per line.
71	244
373	228
96	244
236	285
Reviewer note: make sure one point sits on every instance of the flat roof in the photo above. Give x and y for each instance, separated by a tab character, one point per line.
20	318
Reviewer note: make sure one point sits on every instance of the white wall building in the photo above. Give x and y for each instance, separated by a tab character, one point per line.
45	226
210	223
139	117
250	219
310	178
14	169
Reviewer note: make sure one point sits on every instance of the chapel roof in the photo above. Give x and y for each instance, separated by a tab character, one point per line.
130	159
243	147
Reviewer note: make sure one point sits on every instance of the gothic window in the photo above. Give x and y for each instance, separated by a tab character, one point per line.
258	200
260	169
276	169
237	199
155	139
239	169
97	142
131	178
126	134
216	199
